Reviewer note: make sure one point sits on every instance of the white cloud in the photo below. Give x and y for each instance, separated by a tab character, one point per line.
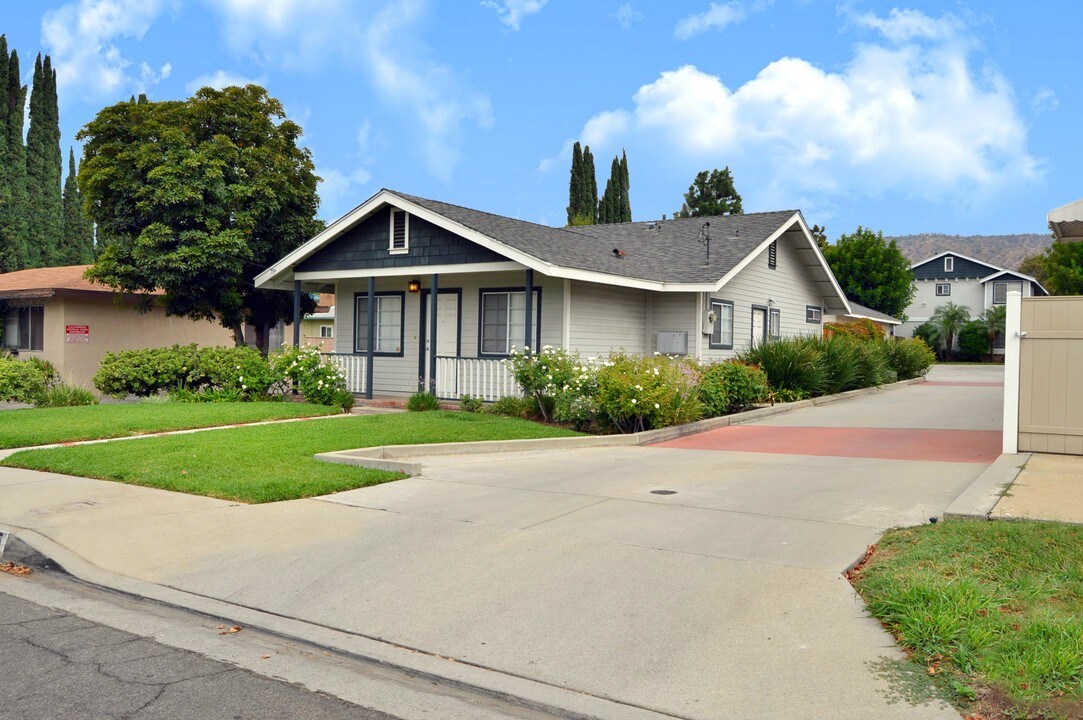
512	12
340	191
903	25
80	37
222	79
716	17
627	16
910	117
1045	100
385	42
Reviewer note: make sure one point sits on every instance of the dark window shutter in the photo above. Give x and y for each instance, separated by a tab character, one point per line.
772	255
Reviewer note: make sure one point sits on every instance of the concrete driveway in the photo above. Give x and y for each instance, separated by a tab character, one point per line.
722	598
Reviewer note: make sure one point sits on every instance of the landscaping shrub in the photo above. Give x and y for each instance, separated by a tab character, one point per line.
973	341
147	371
511	406
862	329
319	381
544	375
873	367
22	380
639	393
422	402
909	358
64	395
731	386
841	361
469	403
240	369
793	365
930	334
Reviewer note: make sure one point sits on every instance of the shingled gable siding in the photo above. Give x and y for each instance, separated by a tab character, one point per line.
963	268
400	374
789	285
366	246
608	317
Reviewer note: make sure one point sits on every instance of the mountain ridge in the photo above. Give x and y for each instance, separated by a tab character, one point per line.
1006	251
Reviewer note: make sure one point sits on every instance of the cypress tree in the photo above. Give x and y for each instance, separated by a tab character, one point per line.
77	247
625	185
590	188
13	211
44	168
575	185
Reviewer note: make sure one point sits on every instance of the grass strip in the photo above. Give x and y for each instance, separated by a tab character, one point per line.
44	426
272	462
994	609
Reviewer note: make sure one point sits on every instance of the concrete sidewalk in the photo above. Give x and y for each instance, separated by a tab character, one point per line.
1049	487
561	577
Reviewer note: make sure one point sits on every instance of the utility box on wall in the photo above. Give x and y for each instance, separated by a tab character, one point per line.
672	342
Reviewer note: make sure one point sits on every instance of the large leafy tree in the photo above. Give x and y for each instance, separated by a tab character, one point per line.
711	193
1064	268
198	197
872	271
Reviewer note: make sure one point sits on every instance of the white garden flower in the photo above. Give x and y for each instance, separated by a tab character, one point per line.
656	406
634	401
639	387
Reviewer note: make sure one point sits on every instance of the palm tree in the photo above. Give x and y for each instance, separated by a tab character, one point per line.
950	319
993	321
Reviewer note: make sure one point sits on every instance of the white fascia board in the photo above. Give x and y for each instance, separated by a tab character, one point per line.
875	319
800	222
958	255
1026	277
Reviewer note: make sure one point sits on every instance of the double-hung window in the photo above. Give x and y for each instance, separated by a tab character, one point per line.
389	323
774	324
1000	291
943	289
503	321
24	328
722	332
949	264
328	331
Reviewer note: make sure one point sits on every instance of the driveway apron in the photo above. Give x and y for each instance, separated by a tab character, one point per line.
699	578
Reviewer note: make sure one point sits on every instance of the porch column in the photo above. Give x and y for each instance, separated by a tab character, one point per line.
433	297
530	310
370	348
297	313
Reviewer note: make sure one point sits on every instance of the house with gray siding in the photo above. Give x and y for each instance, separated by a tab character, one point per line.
953	277
434	295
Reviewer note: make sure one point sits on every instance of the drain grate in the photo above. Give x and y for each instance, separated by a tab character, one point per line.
663	492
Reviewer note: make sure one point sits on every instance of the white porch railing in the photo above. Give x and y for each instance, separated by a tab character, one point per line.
478	377
353	367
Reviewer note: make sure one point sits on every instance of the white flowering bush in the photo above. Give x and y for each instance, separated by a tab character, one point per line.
320	381
545	375
637	393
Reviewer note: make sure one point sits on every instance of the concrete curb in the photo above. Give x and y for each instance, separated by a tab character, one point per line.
395	457
979	499
527	693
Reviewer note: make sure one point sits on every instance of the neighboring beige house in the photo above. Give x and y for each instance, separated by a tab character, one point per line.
707	288
56	315
318	329
859	312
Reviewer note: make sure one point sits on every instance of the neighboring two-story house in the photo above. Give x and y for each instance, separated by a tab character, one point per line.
953	277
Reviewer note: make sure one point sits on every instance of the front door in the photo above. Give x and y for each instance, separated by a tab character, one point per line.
447	328
759	325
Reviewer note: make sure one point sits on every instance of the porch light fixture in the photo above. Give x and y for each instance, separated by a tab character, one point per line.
414	286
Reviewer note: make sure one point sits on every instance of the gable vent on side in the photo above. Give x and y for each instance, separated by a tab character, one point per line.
400	232
772	255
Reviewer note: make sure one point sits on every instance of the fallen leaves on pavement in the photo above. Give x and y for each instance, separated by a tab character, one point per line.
13	569
223	630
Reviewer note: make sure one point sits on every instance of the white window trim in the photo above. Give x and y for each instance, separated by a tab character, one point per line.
774	313
391	233
716	306
1005	283
949	264
943	285
819	314
330	331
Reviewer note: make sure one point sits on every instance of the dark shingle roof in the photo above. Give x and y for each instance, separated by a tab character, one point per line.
661	251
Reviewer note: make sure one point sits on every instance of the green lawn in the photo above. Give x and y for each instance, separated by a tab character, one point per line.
994	610
272	462
43	426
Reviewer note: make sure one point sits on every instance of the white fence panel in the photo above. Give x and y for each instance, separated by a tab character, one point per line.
477	377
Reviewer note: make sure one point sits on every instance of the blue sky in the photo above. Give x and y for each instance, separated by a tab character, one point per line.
929	117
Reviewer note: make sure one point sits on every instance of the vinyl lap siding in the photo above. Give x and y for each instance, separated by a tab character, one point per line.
963	292
606	318
674	311
789	285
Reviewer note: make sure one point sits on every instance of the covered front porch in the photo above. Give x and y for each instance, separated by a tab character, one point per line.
448	333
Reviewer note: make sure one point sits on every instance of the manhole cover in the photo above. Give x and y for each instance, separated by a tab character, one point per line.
663	492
